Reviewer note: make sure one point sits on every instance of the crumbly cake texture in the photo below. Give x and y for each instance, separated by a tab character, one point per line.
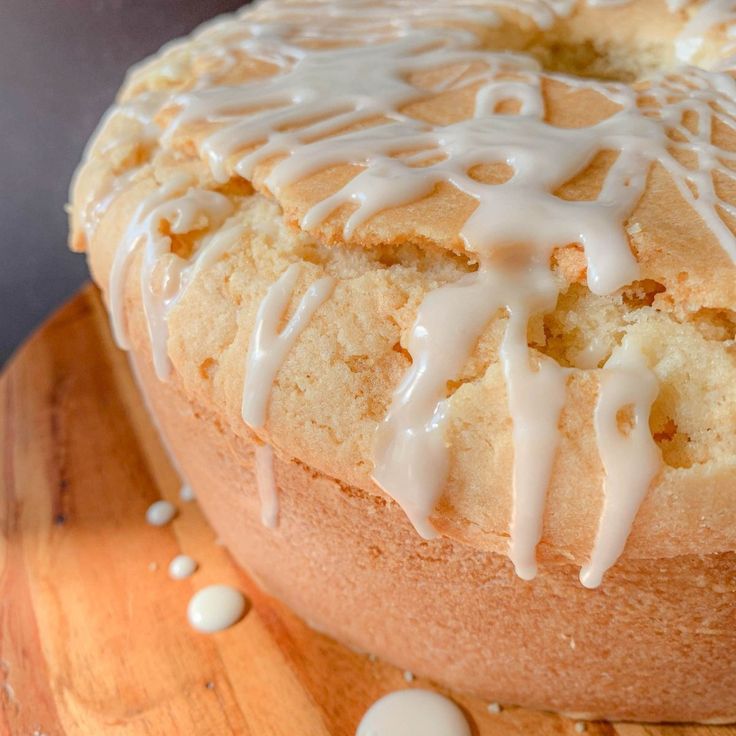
335	386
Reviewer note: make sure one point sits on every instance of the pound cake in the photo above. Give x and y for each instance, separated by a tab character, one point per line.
434	304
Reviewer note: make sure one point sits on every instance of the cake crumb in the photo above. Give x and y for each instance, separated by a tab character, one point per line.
409	676
494	708
572	642
372	658
152	566
580	727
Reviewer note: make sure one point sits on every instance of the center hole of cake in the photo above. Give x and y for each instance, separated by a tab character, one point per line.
605	61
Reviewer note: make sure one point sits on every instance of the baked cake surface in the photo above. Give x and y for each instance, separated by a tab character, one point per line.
474	257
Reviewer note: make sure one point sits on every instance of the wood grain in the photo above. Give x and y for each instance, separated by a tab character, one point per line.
93	634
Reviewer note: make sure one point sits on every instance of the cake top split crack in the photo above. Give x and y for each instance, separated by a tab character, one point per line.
477	257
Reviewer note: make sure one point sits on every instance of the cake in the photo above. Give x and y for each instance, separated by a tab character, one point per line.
434	305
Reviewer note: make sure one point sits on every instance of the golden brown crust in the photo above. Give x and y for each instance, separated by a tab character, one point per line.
335	385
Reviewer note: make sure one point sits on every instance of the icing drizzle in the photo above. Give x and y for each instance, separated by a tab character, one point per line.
269	346
163	274
630	456
268	349
332	103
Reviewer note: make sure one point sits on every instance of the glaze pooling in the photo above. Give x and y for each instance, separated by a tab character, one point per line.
160	513
413	712
330	103
215	608
182	566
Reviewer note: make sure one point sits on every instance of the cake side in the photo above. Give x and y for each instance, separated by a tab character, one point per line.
653	644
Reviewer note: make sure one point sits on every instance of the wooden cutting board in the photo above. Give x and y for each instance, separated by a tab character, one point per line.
93	633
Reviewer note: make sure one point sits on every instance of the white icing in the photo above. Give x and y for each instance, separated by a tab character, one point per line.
163	273
411	713
267	351
411	453
593	353
307	114
630	456
411	458
182	566
269	345
536	398
144	133
160	513
266	484
215	608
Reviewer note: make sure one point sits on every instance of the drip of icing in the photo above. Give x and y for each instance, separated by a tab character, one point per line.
630	456
267	351
185	211
535	398
160	513
269	346
267	486
215	608
141	110
411	458
412	712
182	566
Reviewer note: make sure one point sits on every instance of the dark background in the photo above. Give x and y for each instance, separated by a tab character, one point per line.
61	63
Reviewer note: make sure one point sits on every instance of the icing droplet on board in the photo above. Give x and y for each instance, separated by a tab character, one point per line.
182	566
160	513
215	608
413	712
